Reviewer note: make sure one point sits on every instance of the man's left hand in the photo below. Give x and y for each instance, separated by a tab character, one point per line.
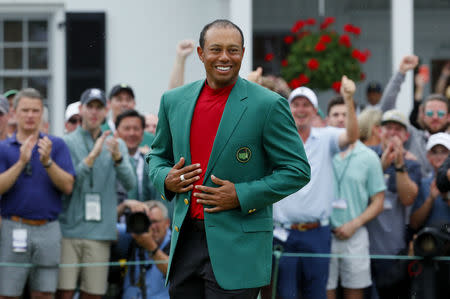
345	231
348	88
221	198
113	147
44	149
145	240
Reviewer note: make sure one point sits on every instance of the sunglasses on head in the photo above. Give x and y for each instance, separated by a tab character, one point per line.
440	113
75	120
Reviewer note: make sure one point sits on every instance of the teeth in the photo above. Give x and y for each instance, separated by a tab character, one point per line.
223	68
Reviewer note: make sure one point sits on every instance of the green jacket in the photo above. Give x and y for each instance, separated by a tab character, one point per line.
257	147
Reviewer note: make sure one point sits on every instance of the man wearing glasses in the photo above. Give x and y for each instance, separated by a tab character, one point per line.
35	171
72	117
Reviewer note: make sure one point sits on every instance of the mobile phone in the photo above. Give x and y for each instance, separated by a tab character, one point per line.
424	71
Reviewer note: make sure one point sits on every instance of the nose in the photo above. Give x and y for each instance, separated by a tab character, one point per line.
224	56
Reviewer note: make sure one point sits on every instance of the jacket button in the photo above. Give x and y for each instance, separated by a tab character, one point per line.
186	201
176	228
163	198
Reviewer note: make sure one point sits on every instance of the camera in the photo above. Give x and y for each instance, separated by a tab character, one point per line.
433	241
137	222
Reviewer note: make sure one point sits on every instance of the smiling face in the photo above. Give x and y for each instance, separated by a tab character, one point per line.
435	116
131	131
337	116
437	155
303	112
222	56
121	102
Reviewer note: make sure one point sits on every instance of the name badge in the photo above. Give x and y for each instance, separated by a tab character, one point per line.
19	240
92	207
339	203
387	204
281	234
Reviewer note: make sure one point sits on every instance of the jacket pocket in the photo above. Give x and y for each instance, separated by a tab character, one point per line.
257	225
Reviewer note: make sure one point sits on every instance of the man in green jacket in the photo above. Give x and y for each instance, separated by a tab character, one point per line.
225	150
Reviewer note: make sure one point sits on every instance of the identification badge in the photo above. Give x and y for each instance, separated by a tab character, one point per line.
92	207
19	240
339	203
387	204
281	234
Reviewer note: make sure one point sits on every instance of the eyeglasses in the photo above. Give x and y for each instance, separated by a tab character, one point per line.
439	152
75	120
440	113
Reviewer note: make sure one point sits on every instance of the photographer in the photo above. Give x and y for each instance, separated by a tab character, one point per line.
430	208
151	245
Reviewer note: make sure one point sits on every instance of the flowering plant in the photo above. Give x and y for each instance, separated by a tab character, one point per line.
318	59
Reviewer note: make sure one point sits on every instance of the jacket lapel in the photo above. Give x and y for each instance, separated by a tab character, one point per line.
232	114
186	112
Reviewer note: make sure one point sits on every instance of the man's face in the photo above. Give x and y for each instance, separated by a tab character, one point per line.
73	123
3	122
303	112
222	56
374	97
29	114
131	131
390	130
337	116
437	155
92	115
159	225
435	116
151	121
121	102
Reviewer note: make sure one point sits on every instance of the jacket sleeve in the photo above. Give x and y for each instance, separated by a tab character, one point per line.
160	158
290	170
389	98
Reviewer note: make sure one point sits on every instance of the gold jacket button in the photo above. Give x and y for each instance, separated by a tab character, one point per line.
176	228
163	198
186	201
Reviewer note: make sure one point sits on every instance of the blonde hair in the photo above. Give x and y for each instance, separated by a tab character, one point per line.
366	121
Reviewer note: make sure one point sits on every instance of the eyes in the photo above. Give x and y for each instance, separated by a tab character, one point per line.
217	50
440	113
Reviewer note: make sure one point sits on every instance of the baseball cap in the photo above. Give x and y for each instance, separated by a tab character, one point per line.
71	110
374	87
10	92
93	94
439	138
304	92
396	116
4	105
119	87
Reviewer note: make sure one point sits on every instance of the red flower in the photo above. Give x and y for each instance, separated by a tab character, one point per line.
356	54
327	22
313	64
294	83
348	28
362	76
345	40
289	39
297	26
336	86
310	21
320	47
303	79
303	34
269	57
325	39
356	30
361	56
284	62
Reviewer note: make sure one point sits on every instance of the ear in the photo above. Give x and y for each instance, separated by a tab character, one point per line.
200	53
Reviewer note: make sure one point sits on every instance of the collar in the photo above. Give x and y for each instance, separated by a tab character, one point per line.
137	155
111	125
13	138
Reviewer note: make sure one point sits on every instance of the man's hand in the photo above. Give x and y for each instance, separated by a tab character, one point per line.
221	198
185	48
399	151
348	88
445	72
256	76
134	206
98	145
345	231
388	156
113	147
408	63
26	149
173	180
145	240
434	191
44	149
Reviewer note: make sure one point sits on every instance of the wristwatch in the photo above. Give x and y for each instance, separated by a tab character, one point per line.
401	168
153	252
49	163
118	161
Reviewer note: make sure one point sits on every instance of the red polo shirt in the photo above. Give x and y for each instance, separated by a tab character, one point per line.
205	122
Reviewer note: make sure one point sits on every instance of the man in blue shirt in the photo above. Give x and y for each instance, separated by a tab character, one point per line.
36	169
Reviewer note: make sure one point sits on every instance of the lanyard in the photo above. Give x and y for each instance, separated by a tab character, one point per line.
340	177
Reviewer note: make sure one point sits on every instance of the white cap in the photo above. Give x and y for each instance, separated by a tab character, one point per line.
439	139
72	110
306	93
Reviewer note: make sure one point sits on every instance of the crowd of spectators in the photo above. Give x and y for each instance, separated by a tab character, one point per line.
373	186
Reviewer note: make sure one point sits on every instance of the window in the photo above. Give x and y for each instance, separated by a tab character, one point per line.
24	54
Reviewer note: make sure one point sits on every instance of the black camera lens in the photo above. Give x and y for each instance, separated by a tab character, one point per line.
137	223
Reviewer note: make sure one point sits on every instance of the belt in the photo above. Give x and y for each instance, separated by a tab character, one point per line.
304	226
35	222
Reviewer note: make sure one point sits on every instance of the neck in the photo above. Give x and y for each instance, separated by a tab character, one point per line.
93	131
216	85
21	135
132	151
3	134
372	141
304	133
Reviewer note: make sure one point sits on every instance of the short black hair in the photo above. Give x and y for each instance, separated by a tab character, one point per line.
337	100
130	113
221	23
436	97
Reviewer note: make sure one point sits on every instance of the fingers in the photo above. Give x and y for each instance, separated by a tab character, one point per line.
218	181
180	164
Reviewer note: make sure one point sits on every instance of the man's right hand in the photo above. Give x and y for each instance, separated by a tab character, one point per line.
97	149
185	48
191	174
408	63
26	149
